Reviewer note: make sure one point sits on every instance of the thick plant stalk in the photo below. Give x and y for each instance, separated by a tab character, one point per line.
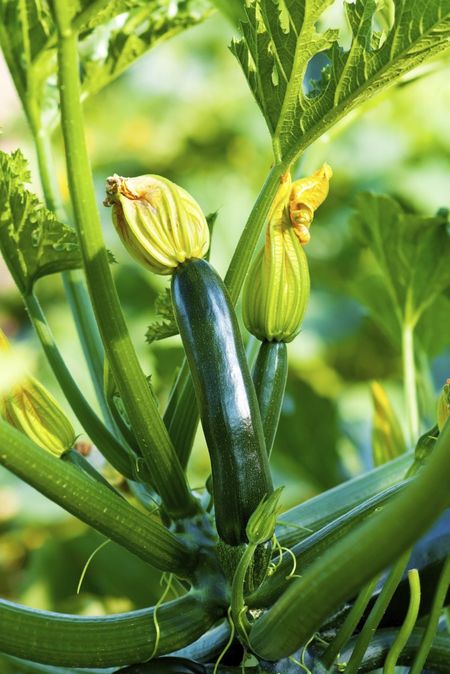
305	552
438	659
350	563
118	455
74	285
115	640
94	503
166	472
299	522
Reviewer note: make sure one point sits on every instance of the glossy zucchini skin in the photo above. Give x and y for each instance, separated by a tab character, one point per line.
269	377
225	394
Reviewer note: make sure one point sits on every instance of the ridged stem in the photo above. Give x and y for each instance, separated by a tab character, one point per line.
438	659
94	503
353	561
166	472
316	544
114	640
74	285
299	522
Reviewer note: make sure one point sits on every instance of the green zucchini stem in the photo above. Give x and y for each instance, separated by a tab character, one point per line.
269	377
433	619
409	382
351	562
167	474
94	503
408	624
115	640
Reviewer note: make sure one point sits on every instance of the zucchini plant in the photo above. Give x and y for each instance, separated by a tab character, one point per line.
334	583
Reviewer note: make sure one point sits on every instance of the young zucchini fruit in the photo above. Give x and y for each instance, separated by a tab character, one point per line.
228	406
164	229
277	289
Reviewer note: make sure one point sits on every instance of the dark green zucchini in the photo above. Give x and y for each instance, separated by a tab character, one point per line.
269	377
225	394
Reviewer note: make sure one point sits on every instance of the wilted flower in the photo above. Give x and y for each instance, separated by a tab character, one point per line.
307	194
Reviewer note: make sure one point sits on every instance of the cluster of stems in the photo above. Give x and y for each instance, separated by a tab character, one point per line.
339	543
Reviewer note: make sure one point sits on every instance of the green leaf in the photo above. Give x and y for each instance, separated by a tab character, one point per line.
32	241
144	28
168	326
281	37
411	255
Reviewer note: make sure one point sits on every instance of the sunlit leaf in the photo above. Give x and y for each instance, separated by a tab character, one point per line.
32	241
281	39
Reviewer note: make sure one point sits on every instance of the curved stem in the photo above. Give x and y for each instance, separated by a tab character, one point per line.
408	625
115	640
344	568
237	592
94	503
433	620
165	468
120	457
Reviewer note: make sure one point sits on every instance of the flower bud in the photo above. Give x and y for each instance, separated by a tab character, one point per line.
31	409
159	223
276	292
443	406
307	194
261	525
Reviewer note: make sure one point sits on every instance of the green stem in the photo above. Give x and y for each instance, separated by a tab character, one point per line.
94	503
269	377
121	458
73	285
349	625
240	262
115	640
438	659
409	381
152	436
315	513
350	563
315	545
408	625
237	592
433	620
181	416
377	613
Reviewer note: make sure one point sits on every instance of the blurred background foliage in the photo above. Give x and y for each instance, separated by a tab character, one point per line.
184	111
